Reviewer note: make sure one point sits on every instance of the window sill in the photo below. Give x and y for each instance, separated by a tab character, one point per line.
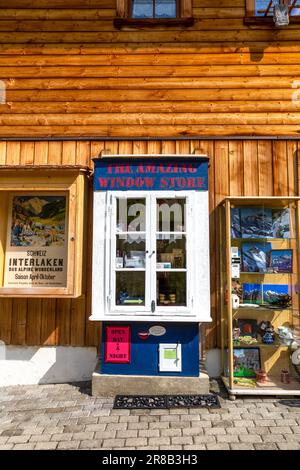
151	22
268	21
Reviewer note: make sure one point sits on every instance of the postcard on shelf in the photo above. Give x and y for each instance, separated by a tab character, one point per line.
256	222
255	257
275	294
246	360
236	231
247	327
281	223
252	294
281	261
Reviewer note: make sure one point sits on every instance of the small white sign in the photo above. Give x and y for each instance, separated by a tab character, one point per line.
170	357
157	330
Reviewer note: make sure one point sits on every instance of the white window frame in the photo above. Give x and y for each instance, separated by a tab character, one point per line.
197	259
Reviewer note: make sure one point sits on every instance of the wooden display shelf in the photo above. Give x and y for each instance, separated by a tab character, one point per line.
272	357
273	386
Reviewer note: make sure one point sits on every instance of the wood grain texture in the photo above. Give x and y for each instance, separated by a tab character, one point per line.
263	168
69	72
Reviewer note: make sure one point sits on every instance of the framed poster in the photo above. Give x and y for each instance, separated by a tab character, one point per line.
117	344
36	246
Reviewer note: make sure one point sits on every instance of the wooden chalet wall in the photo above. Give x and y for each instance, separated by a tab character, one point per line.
250	168
70	72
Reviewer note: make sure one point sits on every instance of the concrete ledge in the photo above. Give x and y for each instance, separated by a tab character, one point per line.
111	385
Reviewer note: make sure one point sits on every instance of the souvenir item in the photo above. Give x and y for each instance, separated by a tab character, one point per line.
261	376
281	261
255	257
252	293
277	295
285	376
246	361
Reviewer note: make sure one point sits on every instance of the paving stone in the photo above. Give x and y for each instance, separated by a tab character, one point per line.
105	435
95	427
193	431
161	441
281	430
129	419
6	446
218	446
242	446
136	442
73	428
95	443
252	438
295	429
178	447
145	425
118	442
163	425
228	439
269	446
46	446
273	438
65	437
289	446
195	447
82	436
170	432
66	445
184	440
18	439
40	438
24	446
204	439
128	433
152	432
215	431
116	427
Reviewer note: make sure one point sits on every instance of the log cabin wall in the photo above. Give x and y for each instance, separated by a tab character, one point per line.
69	73
237	168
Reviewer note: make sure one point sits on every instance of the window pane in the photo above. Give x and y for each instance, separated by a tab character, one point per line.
131	215
170	251
171	289
170	215
142	9
130	251
130	288
165	9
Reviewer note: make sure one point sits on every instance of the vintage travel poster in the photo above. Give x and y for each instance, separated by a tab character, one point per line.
36	248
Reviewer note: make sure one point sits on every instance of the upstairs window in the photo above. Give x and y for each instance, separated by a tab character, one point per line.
262	11
154	9
153	13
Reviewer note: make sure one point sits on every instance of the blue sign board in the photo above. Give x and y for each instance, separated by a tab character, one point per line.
153	174
144	355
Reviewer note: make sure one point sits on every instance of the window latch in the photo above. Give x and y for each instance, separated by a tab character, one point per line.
153	306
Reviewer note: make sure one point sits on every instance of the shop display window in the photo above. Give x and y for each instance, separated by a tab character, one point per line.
156	255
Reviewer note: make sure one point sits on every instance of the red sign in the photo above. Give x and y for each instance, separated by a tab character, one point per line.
117	344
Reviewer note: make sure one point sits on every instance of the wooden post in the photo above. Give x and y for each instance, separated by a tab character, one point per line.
229	304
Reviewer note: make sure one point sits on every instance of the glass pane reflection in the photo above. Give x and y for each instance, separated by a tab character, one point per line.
171	289
170	215
131	215
165	9
142	9
171	252
130	251
130	288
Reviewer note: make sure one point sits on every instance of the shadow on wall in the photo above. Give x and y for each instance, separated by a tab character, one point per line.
20	365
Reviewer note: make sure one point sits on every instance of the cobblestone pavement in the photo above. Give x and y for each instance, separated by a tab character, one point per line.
67	417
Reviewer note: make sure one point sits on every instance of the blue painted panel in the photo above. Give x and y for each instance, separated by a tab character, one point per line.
145	353
140	174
